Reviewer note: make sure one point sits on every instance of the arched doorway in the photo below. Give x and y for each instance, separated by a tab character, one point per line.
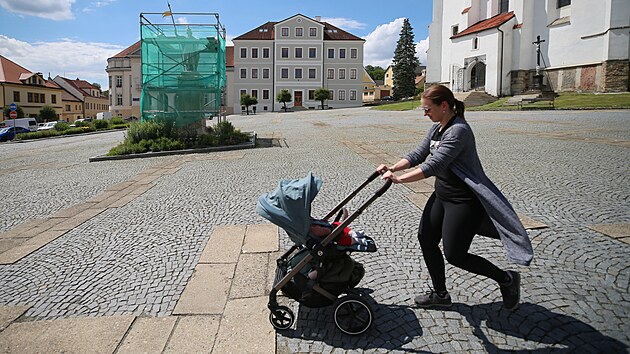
478	77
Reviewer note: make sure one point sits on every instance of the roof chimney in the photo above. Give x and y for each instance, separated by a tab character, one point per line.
318	18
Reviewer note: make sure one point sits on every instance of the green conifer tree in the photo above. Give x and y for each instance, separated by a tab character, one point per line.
405	63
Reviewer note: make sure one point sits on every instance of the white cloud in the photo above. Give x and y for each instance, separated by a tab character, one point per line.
344	23
182	20
50	9
66	57
380	45
97	5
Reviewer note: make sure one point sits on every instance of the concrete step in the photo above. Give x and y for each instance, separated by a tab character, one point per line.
474	98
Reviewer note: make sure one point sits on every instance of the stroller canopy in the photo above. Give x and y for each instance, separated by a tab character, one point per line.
289	205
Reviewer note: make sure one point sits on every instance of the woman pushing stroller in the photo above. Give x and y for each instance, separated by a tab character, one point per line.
464	203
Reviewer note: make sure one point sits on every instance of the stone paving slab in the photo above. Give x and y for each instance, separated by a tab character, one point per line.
70	335
224	245
618	231
207	290
251	276
245	328
194	334
9	314
261	238
147	335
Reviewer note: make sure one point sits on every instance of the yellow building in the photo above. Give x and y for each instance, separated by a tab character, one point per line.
72	107
92	99
28	90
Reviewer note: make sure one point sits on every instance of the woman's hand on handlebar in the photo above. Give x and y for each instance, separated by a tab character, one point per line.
382	169
391	176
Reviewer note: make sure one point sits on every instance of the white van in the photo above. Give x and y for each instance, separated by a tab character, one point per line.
28	123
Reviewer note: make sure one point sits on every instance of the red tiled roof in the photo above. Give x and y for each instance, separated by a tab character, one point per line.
492	22
262	32
129	50
11	72
266	32
466	10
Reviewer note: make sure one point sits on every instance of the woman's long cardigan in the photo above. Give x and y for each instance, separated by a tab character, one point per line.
457	150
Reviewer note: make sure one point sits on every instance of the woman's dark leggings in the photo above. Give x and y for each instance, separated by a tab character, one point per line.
456	224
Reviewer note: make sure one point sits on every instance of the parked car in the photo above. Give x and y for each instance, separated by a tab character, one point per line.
10	132
387	98
47	126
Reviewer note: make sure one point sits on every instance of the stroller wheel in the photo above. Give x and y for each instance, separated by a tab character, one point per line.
353	315
281	317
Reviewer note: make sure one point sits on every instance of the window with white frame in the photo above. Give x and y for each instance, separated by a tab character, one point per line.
265	73
284	73
353	74
298	52
353	95
298	73
312	73
342	53
299	31
255	93
119	101
475	43
311	95
312	32
242	92
284	52
243	52
254	73
118	80
331	74
254	53
563	3
342	74
342	95
265	94
243	73
312	53
284	31
265	53
454	30
354	53
504	6
331	53
331	95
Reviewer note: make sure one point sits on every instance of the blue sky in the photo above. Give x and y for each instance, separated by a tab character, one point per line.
74	38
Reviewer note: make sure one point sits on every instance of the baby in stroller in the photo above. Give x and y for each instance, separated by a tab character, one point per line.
318	268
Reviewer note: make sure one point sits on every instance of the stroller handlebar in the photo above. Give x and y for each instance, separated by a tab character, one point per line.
377	194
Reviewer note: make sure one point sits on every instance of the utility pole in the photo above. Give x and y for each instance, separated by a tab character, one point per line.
538	77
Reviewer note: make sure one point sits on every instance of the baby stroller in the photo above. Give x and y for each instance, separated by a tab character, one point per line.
289	207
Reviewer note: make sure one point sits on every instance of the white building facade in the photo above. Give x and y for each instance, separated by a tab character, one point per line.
487	45
125	82
301	55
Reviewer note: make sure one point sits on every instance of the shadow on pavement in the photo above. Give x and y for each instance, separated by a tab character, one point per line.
534	323
393	327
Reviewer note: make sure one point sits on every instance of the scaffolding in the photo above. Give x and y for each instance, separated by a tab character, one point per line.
183	67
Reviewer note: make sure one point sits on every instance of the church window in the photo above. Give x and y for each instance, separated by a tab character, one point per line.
563	3
504	5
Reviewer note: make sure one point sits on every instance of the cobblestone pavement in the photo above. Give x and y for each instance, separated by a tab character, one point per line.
566	169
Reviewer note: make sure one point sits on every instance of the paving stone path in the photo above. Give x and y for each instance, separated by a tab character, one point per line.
129	247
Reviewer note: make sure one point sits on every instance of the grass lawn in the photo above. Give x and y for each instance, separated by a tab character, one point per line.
563	101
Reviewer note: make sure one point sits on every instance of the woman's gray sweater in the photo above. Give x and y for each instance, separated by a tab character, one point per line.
457	150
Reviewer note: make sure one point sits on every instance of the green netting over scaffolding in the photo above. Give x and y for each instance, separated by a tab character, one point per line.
183	66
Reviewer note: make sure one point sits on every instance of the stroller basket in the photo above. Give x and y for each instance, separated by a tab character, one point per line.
337	272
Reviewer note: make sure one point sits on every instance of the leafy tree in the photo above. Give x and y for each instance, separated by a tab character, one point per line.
106	93
19	110
405	63
247	100
47	113
284	96
321	95
375	72
97	85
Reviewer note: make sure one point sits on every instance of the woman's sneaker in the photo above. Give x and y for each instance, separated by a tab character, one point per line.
511	291
431	298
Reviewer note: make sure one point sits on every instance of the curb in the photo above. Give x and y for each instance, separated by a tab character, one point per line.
249	145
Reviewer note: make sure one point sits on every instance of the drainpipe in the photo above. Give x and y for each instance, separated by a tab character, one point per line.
273	75
501	64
